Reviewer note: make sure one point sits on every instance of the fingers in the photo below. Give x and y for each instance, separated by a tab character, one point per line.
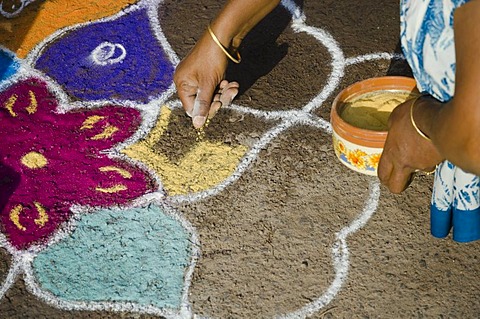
187	94
394	178
201	105
229	91
384	170
224	96
399	180
198	103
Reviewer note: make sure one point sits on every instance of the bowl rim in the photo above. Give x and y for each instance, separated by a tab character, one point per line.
356	135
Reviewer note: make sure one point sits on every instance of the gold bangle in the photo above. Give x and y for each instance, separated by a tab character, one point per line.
413	121
224	49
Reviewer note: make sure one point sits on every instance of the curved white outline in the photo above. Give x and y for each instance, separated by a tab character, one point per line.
17	12
98	56
340	256
12	274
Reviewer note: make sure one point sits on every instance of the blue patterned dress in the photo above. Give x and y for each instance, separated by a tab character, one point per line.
428	44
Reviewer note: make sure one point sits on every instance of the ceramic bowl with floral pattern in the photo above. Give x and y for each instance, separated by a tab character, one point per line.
359	132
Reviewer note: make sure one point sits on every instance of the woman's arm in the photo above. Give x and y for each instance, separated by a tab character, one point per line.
453	127
199	76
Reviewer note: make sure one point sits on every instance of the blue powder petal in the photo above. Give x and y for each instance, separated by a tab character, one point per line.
8	65
119	59
138	255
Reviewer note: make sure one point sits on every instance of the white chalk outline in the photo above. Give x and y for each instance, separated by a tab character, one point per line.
17	12
340	256
21	260
99	56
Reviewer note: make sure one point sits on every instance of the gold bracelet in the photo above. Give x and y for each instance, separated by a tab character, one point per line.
224	49
413	121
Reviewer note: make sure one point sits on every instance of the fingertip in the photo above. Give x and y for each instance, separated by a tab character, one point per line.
216	105
223	84
198	121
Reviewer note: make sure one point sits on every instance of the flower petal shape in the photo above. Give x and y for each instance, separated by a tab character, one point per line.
205	165
119	59
60	161
138	255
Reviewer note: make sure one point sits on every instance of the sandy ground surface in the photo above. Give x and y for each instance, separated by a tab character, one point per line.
269	239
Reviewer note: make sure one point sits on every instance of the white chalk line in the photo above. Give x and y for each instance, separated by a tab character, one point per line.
104	53
338	62
340	252
153	8
9	15
340	256
149	113
36	52
13	272
374	56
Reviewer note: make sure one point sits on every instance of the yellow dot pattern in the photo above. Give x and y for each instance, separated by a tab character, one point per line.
90	121
9	105
110	190
15	217
42	215
34	160
32	108
108	131
121	171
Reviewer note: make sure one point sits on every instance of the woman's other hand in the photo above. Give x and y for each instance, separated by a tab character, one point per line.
405	150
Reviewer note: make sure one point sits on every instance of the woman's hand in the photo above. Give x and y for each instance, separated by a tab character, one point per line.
199	81
405	150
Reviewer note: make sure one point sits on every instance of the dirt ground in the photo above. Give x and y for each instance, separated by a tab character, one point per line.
266	239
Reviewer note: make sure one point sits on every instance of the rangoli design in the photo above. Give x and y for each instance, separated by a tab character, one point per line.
82	102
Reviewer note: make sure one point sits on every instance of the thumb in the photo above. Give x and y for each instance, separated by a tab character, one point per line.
201	106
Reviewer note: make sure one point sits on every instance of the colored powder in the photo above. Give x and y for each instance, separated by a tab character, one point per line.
37	22
137	255
371	110
205	165
8	65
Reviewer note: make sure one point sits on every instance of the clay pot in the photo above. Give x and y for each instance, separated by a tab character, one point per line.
357	148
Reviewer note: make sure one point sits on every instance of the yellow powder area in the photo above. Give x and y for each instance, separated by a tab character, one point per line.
110	190
9	105
206	165
15	217
371	110
90	121
121	171
42	215
36	22
107	132
34	160
32	108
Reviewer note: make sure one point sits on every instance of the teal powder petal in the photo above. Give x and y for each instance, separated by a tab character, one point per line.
138	255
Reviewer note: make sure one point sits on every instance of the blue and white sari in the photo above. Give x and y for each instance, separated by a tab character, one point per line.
428	44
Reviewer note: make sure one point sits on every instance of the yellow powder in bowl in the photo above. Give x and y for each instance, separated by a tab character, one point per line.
371	110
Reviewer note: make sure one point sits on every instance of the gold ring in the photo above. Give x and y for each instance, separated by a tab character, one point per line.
426	173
